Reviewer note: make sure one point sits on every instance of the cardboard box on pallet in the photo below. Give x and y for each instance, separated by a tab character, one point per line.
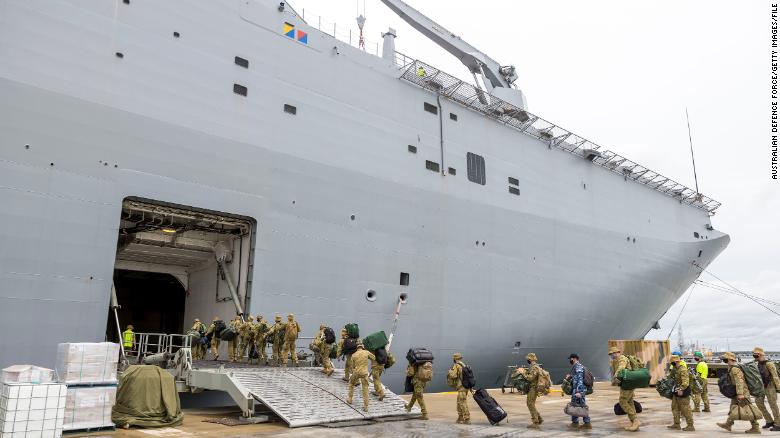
89	407
32	410
87	363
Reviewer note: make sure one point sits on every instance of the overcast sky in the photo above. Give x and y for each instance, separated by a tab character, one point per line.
621	74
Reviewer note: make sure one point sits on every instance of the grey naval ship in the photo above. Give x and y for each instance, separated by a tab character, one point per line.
213	156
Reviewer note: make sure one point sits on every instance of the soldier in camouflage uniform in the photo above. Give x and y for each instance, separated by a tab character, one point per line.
214	336
235	324
198	348
533	379
376	373
327	365
418	383
743	394
771	381
246	334
455	378
360	360
277	334
702	372
681	403
348	357
292	328
261	338
626	399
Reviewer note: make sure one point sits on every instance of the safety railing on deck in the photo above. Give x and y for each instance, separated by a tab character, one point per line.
147	344
450	87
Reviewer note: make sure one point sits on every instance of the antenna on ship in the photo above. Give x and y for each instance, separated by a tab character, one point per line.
361	21
693	160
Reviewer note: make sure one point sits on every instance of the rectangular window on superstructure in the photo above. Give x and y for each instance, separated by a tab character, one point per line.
433	109
475	165
432	166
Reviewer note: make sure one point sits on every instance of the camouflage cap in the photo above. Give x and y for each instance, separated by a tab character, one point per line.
613	350
758	350
290	316
457	356
360	343
250	318
278	317
322	326
728	356
196	320
531	356
216	318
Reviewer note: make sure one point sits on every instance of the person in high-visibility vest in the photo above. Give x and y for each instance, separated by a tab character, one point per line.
128	338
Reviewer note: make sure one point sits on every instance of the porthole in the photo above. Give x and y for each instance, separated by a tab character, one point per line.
371	295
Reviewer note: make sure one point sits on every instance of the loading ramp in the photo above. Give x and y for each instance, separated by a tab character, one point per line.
299	396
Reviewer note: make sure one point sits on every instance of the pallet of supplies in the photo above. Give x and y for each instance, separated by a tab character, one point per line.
32	410
87	363
27	374
89	407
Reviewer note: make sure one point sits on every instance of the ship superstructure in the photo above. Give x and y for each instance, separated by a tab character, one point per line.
143	139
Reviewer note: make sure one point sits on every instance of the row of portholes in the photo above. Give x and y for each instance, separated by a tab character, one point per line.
698	236
629	239
371	296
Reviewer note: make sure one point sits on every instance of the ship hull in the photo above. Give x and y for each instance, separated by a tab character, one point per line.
341	206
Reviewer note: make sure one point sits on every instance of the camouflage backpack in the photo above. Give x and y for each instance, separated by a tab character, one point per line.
634	363
452	377
544	382
425	372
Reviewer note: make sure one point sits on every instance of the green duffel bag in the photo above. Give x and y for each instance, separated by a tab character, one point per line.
634	379
375	341
353	331
665	387
753	378
567	389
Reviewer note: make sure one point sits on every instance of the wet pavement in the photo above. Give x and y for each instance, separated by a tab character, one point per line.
656	416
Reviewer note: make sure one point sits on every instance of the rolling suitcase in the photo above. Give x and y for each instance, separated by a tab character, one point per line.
494	413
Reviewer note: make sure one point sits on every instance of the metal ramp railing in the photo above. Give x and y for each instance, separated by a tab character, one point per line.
299	396
450	87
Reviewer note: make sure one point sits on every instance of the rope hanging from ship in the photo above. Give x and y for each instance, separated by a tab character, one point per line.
729	288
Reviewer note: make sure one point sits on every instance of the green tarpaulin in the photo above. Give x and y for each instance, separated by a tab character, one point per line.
147	397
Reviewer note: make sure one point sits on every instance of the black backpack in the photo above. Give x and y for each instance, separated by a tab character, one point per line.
381	356
330	337
467	376
587	379
350	346
219	327
726	387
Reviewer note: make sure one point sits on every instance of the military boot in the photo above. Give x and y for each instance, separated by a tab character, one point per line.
675	426
768	425
754	430
574	426
689	428
706	409
634	426
586	426
697	410
726	426
534	426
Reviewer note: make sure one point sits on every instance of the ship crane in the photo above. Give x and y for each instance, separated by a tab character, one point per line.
498	80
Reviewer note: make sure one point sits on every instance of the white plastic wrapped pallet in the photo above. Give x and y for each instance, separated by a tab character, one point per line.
27	374
32	410
87	363
89	407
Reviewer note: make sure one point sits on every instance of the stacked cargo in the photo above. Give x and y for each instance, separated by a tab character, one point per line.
30	405
90	371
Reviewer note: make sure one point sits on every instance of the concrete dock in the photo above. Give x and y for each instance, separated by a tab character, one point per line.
656	416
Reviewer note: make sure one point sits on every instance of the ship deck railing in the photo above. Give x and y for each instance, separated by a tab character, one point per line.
437	81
